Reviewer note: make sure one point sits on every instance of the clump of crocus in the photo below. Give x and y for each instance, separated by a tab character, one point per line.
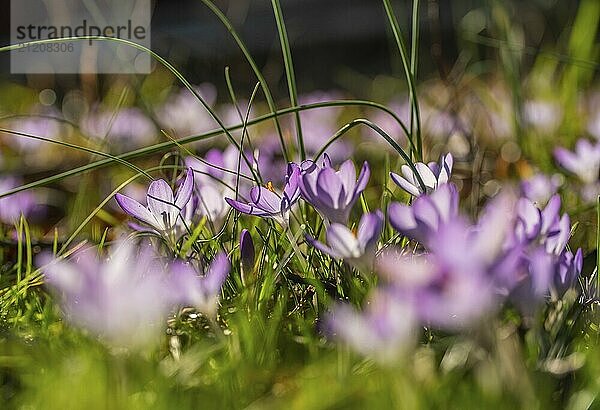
200	291
265	202
356	248
432	176
164	213
454	284
123	298
333	193
421	220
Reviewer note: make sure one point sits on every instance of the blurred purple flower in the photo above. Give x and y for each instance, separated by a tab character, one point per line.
266	203
433	175
455	284
124	298
200	292
584	162
13	206
127	127
421	220
184	115
333	193
358	249
540	187
385	329
165	210
320	124
43	122
215	178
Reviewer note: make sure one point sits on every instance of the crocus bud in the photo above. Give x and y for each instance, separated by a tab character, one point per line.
247	253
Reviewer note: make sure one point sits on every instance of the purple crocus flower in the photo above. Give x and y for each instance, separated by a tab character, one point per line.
384	330
124	298
266	203
201	292
433	176
333	193
164	211
357	248
247	252
421	219
584	162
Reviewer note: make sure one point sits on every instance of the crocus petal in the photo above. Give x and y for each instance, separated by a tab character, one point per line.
266	200
343	241
404	184
323	248
427	175
246	208
161	203
347	175
401	217
329	187
369	229
363	179
137	210
247	252
217	273
184	193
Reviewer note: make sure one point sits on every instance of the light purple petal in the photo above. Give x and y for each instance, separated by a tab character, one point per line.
405	184
184	193
246	208
137	210
343	241
369	229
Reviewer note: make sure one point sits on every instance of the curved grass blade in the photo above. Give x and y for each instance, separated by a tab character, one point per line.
389	11
261	79
160	147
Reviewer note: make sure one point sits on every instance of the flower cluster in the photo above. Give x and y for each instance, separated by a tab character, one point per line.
462	271
126	297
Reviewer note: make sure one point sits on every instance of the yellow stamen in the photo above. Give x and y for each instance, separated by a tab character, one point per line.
270	186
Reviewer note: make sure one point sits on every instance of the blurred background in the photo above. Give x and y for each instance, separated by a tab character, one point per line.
500	84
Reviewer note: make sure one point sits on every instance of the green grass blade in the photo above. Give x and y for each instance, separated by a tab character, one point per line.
163	146
289	71
261	79
389	11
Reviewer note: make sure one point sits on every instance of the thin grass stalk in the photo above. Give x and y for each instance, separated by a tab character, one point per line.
163	146
261	79
389	11
289	72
